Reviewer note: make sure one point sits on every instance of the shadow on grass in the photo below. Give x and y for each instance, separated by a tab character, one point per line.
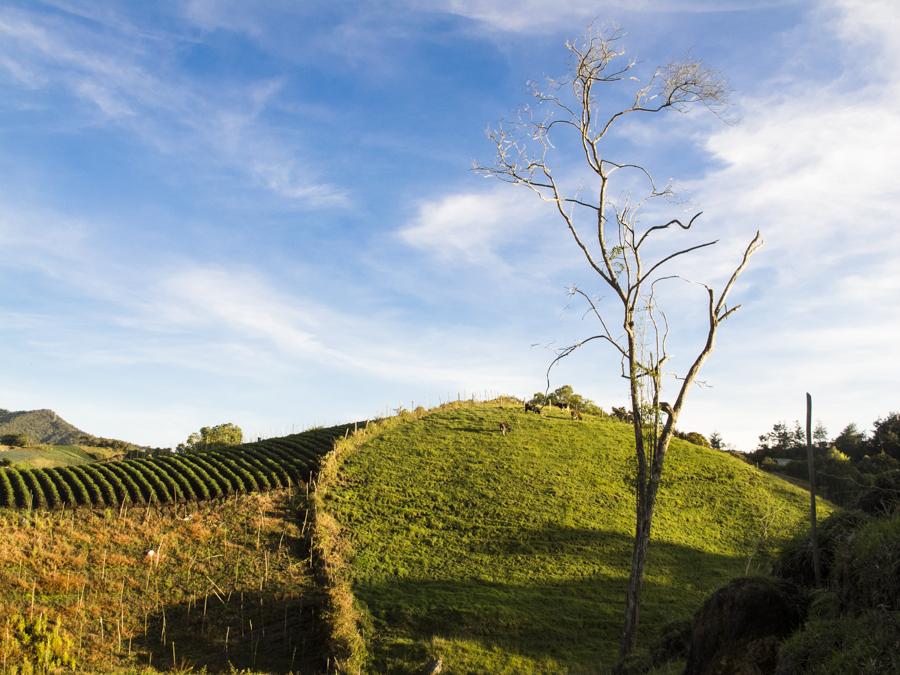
272	631
259	632
563	616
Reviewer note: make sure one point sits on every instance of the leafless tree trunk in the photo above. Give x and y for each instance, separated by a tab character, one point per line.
613	249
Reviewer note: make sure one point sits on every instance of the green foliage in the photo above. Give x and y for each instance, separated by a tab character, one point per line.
63	489
852	442
886	436
868	566
203	474
107	492
7	494
221	435
47	487
36	646
15	440
509	553
76	484
111	443
24	500
868	644
795	562
622	414
693	437
38	499
782	441
565	397
883	496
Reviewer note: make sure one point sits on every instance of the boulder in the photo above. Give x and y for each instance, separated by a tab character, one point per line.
738	629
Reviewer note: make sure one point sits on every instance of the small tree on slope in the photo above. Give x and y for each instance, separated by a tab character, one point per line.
614	248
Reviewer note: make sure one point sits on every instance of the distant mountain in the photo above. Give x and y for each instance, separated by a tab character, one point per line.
41	426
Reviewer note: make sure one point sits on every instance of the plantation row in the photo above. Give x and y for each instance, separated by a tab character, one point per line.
160	479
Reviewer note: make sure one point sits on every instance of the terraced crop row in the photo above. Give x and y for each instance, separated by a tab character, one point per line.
159	479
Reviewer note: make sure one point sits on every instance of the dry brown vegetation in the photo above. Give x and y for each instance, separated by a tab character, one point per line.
228	584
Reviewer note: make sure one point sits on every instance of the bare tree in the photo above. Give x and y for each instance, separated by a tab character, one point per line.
612	242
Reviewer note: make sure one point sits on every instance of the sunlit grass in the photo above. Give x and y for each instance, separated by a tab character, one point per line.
509	553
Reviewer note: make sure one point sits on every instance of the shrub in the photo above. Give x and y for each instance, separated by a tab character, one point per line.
200	486
7	495
883	497
165	466
95	496
119	489
66	494
863	645
165	488
213	486
48	488
15	440
868	567
76	483
38	498
134	492
147	493
20	489
794	562
107	491
34	646
206	481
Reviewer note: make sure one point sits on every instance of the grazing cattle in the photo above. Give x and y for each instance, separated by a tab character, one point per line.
504	428
575	414
533	407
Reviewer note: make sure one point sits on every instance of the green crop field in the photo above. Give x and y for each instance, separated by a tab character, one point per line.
48	456
510	553
160	479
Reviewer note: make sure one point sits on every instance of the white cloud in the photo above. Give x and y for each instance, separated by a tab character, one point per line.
470	227
814	166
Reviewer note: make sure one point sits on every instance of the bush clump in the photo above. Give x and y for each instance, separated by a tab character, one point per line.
795	562
36	646
867	644
15	440
867	571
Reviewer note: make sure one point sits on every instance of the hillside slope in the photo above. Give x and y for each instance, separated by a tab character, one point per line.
229	584
41	426
49	456
229	587
510	553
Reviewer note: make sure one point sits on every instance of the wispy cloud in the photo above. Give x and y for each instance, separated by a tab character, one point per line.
534	16
106	63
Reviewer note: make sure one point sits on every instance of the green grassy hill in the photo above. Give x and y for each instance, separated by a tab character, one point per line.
510	553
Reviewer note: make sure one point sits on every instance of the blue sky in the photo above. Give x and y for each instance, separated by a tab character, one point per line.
265	212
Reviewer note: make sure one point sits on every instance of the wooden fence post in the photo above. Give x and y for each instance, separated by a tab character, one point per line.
817	570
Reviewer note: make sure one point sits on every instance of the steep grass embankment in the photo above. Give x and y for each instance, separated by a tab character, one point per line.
510	553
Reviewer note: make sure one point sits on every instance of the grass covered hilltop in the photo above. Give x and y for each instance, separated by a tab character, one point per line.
510	553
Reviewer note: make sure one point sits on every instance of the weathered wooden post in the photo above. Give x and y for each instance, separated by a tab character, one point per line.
817	570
